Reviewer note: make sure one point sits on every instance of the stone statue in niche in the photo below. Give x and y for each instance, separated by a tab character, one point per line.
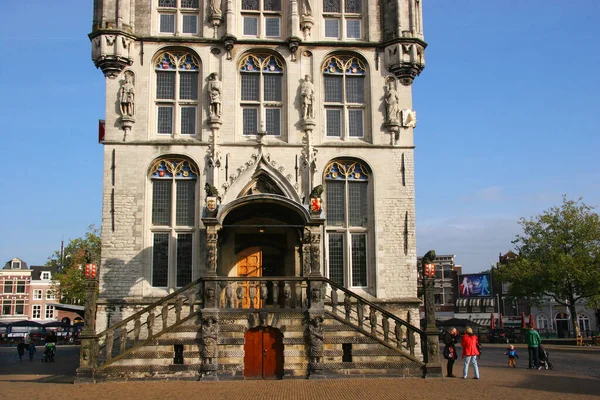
209	340
215	8
391	102
214	93
315	331
306	8
127	97
307	93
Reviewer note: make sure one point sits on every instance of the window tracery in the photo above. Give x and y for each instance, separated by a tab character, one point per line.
344	87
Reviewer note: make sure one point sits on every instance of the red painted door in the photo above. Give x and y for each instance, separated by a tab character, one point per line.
263	353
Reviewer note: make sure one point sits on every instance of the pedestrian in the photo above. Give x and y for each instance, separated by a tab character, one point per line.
32	351
470	345
450	350
21	349
533	340
511	352
27	340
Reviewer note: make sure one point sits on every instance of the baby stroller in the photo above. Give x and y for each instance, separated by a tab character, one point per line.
49	351
544	358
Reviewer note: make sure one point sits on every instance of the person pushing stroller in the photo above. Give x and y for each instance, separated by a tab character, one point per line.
49	348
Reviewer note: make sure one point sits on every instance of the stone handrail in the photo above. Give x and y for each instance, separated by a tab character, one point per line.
141	327
403	334
250	293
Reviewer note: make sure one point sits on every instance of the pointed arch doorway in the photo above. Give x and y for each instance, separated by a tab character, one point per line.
263	353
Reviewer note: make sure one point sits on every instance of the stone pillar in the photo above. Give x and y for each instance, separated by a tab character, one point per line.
433	366
212	238
88	353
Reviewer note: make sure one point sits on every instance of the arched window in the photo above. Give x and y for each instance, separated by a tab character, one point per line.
261	18
177	93
344	80
343	19
584	322
542	321
178	16
261	94
347	223
174	184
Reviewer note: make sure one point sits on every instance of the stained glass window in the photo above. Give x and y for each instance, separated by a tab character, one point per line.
174	184
177	93
261	93
347	221
344	87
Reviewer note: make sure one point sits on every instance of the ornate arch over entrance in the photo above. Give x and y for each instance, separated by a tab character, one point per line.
261	235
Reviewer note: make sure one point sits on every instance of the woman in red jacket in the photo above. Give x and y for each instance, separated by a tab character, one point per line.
470	345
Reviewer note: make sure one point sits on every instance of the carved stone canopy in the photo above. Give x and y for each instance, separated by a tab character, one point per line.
262	184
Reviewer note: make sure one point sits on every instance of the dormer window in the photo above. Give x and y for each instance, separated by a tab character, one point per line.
45	275
15	264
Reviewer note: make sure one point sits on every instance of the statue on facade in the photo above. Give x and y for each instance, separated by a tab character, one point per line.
307	93
306	6
215	8
315	332
214	93
391	102
127	97
209	340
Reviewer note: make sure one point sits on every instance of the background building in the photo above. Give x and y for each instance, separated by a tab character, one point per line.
27	293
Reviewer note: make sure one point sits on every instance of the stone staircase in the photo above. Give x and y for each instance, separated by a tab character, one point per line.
165	339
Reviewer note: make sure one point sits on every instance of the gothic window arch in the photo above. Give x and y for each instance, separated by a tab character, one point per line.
542	321
174	182
178	17
343	19
348	226
261	18
177	91
345	102
262	85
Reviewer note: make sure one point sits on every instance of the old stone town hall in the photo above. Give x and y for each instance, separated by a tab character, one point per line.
258	195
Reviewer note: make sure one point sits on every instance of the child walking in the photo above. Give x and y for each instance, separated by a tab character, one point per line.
511	352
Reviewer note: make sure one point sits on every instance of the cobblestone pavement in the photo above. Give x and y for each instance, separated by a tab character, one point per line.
576	375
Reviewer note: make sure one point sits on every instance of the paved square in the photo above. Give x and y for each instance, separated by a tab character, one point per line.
576	375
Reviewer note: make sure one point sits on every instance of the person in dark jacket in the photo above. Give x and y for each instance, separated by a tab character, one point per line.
470	346
450	350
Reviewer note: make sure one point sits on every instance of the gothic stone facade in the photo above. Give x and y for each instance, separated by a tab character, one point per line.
236	128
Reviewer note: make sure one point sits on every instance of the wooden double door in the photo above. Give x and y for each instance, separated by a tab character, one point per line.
263	353
256	262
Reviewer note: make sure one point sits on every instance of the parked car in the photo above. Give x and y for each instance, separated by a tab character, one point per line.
498	336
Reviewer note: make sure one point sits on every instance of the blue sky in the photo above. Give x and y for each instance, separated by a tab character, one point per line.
508	114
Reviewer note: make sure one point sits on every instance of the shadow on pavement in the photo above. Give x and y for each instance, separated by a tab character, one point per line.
62	370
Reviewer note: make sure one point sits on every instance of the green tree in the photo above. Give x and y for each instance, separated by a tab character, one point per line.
558	257
69	282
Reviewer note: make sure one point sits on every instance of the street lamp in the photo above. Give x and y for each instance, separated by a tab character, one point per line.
430	270
434	367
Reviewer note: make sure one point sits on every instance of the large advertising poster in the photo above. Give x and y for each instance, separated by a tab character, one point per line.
475	285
